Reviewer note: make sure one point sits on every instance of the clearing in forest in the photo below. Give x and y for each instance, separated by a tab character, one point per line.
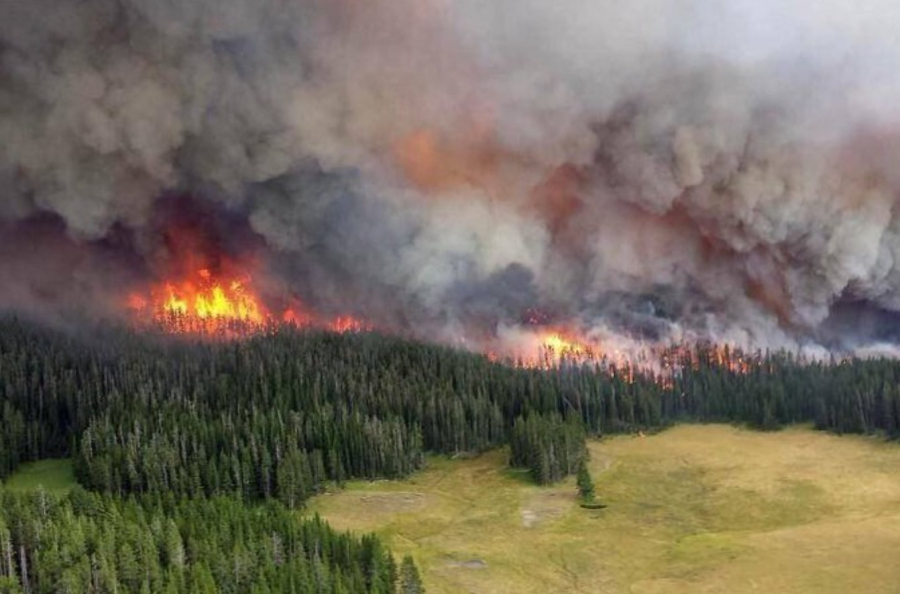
54	475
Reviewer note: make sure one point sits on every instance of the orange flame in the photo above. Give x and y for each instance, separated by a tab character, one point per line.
551	347
222	306
212	299
204	303
556	347
546	348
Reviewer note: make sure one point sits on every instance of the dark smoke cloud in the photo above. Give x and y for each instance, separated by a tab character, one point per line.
654	168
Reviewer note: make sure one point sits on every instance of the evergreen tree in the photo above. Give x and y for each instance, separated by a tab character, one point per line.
585	484
410	582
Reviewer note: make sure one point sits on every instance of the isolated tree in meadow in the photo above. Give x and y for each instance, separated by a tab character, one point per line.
585	484
410	582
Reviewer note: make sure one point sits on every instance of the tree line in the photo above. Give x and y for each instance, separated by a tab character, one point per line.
281	415
549	446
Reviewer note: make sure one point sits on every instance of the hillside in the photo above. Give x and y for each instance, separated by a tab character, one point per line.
286	416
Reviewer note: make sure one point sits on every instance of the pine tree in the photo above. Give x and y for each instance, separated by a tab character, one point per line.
410	582
585	484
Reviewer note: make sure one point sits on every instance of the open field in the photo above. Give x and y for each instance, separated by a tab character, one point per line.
53	475
693	509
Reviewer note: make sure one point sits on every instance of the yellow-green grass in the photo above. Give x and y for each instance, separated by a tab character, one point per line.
690	510
54	475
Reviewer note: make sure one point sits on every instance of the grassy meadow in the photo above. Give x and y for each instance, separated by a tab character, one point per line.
696	508
54	475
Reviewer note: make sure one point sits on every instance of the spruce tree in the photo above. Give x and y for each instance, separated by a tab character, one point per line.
410	582
585	484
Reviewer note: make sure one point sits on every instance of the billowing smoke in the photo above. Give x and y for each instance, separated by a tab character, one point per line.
653	169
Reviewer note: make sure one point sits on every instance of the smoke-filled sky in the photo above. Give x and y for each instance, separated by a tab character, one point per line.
657	168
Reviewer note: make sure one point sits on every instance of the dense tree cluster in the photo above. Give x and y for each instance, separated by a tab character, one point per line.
278	415
548	446
90	543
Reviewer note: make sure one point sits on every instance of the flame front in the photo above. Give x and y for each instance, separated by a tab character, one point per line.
545	347
202	303
211	299
225	306
558	345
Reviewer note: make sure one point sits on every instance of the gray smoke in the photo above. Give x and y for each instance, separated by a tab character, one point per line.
654	168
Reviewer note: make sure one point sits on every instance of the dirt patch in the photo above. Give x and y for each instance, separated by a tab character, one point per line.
393	502
603	463
529	518
545	506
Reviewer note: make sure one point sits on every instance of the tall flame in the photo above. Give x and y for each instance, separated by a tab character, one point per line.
213	299
214	305
203	302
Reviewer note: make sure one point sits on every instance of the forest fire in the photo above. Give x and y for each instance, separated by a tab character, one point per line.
556	347
547	347
223	306
202	303
214	281
226	305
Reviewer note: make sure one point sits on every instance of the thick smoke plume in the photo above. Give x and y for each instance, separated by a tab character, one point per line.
654	169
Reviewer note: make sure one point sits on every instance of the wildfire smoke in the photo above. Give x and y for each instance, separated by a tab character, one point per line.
644	174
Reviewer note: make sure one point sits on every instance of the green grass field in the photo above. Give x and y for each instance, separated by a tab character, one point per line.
52	475
691	510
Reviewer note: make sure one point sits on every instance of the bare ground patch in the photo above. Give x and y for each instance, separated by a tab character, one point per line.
545	506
